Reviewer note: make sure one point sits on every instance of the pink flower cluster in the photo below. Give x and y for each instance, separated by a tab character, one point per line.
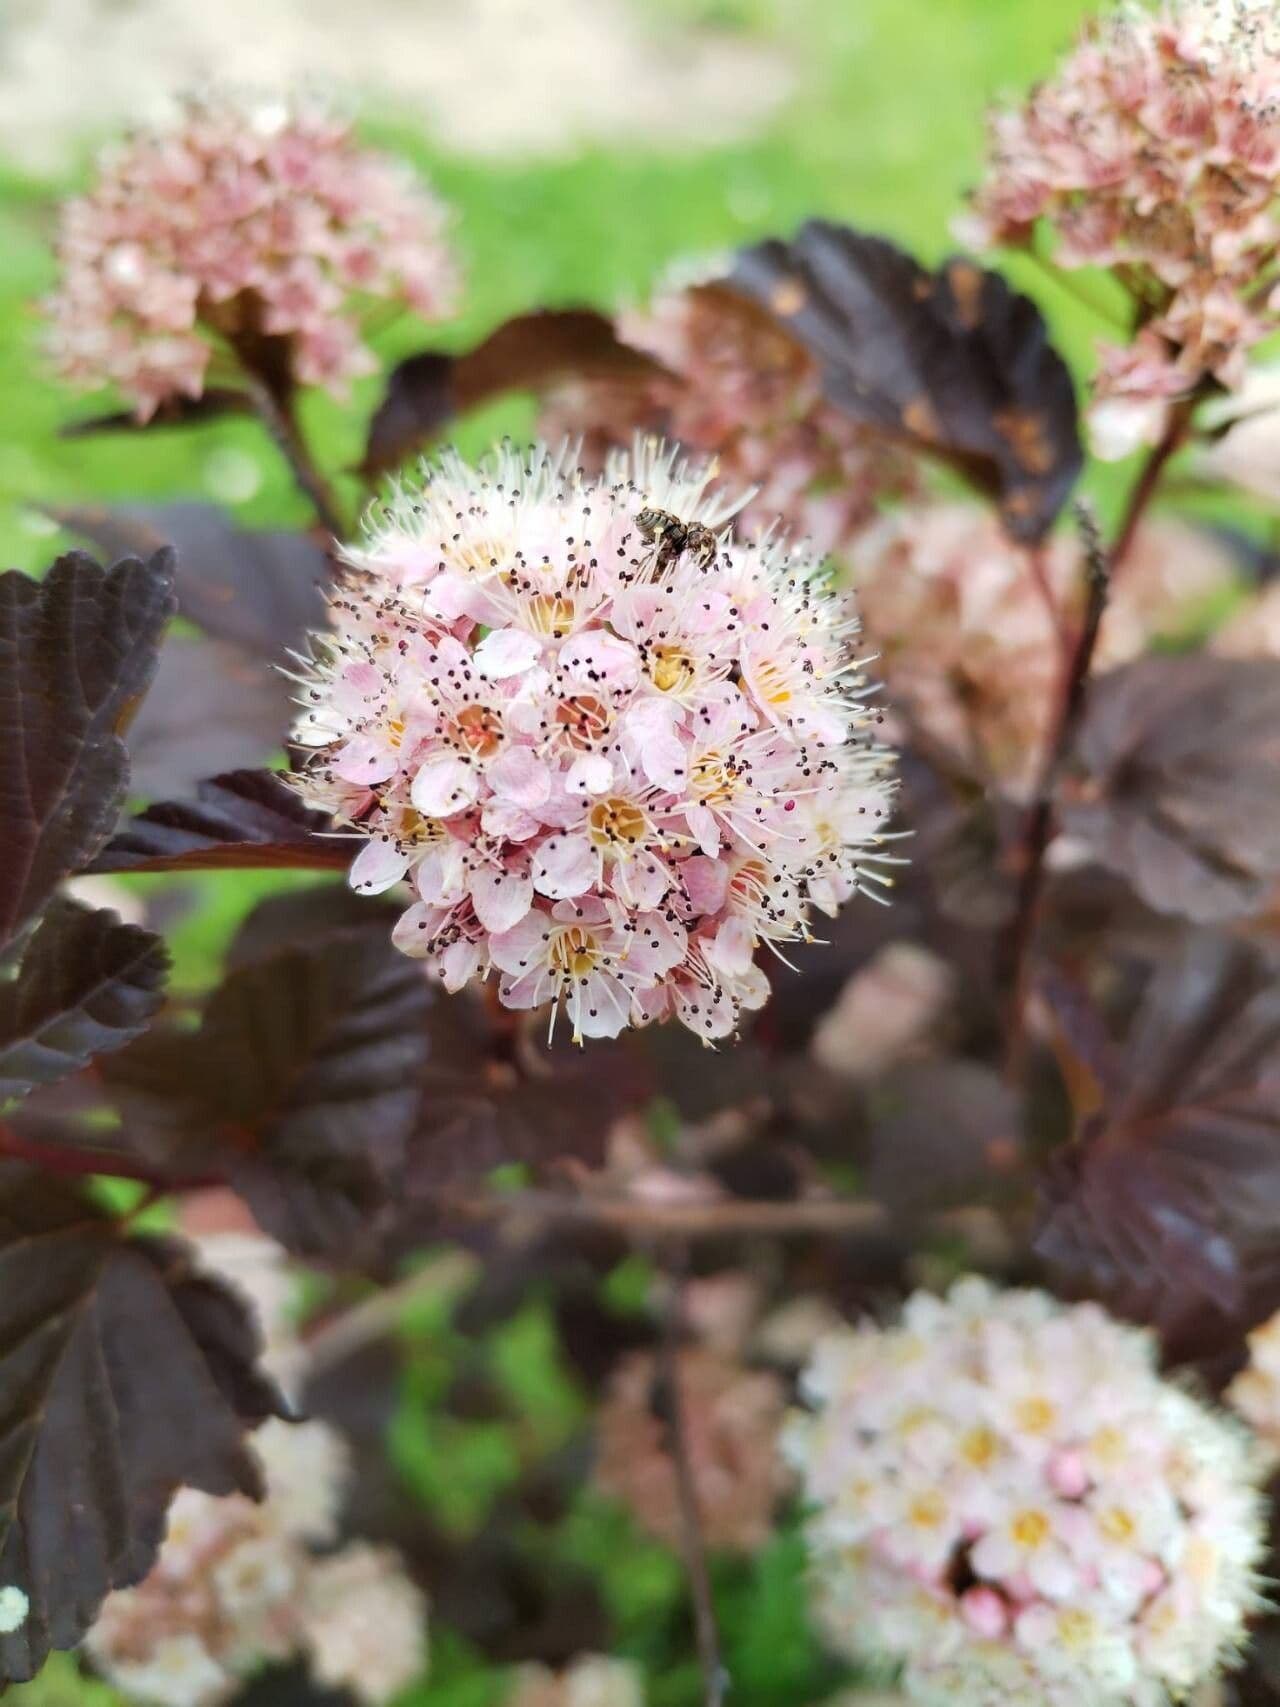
731	1416
1155	151
737	387
1008	1500
248	219
969	630
616	747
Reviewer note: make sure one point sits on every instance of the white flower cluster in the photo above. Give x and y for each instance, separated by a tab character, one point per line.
238	1584
1010	1502
1255	1392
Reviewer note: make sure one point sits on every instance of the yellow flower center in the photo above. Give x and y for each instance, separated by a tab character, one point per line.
979	1447
1036	1414
713	780
1030	1528
551	614
574	952
927	1511
1117	1524
671	670
771	683
617	824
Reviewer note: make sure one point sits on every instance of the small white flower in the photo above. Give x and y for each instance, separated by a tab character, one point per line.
14	1607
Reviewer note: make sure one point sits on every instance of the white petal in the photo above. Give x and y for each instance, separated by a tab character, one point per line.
506	652
379	864
443	787
591	774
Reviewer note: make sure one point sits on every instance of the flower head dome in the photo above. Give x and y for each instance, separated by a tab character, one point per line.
1010	1501
616	748
249	219
1155	150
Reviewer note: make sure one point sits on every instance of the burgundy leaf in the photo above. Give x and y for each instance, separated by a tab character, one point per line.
1166	1203
300	1086
532	352
123	1376
87	984
260	592
1176	782
212	708
954	362
77	652
245	819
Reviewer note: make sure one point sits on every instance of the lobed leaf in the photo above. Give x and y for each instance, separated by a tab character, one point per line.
955	363
1166	1202
1176	782
123	1376
77	652
88	984
300	1086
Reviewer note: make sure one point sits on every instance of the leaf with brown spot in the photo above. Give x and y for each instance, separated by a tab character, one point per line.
124	1375
532	352
955	362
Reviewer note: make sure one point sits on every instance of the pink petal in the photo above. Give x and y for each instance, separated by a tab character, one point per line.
365	758
565	866
521	777
501	898
379	864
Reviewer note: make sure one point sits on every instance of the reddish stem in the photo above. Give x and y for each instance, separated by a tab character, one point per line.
80	1163
1149	476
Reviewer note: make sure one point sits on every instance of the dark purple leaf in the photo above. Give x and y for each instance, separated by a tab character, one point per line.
243	819
87	984
260	592
300	1086
954	362
533	352
123	1376
212	708
77	652
1166	1202
1176	782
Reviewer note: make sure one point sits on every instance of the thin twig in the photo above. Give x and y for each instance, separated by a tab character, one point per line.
1144	487
644	1218
692	1542
341	1337
283	430
1038	824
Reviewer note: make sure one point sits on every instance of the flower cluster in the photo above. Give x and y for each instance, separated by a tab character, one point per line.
731	1416
593	1680
1009	1500
1155	151
735	386
248	220
616	747
1255	1392
237	1584
970	632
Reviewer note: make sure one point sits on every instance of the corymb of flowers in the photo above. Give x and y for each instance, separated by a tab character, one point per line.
1009	1501
249	218
616	748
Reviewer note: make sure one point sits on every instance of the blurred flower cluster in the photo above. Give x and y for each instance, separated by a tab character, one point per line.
249	220
735	387
970	629
1008	1498
240	1584
616	748
1155	151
